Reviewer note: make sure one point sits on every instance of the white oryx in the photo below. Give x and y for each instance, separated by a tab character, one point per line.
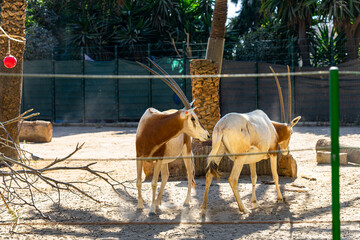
249	133
167	134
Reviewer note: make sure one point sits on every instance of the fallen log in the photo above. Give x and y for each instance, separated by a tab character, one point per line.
325	157
36	131
353	154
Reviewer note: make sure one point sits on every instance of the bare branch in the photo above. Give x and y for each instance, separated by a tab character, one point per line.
21	117
188	48
20	180
68	156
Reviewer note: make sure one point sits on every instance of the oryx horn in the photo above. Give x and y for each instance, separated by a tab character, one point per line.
169	81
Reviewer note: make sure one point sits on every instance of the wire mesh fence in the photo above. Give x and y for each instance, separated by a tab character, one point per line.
120	90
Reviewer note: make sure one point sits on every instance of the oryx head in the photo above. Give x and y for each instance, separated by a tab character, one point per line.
192	125
285	135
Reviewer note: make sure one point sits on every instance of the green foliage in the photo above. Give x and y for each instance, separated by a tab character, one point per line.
269	43
92	24
249	18
328	47
268	27
39	43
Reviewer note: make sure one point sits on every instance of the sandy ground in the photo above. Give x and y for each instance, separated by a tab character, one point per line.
304	215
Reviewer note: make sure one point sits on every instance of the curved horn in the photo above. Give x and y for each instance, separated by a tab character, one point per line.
280	95
289	95
169	83
171	80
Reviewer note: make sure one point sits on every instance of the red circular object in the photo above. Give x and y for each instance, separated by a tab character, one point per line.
10	61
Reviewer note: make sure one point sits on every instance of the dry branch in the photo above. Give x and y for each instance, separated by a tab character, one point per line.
293	190
20	180
308	178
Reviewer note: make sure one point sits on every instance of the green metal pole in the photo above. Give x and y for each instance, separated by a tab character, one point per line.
335	166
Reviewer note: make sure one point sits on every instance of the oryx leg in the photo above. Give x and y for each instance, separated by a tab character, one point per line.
252	158
164	179
209	178
138	183
157	168
233	181
190	170
273	162
253	181
220	150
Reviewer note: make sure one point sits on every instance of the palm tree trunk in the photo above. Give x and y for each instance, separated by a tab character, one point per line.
303	43
352	33
352	43
13	22
205	91
216	42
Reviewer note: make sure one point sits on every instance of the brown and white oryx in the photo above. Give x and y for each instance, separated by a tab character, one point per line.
167	134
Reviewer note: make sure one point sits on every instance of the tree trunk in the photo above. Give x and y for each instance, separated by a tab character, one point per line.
216	42
352	43
303	43
205	91
13	22
352	33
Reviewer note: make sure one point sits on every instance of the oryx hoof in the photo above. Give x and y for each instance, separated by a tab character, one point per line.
140	206
203	208
254	204
152	213
157	203
245	210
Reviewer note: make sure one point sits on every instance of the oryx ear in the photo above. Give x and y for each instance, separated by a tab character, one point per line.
186	112
295	121
192	103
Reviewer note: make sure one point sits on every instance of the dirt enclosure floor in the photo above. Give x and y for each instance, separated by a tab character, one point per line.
306	213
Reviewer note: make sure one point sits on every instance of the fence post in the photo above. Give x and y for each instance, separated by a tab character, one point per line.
256	70
334	121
